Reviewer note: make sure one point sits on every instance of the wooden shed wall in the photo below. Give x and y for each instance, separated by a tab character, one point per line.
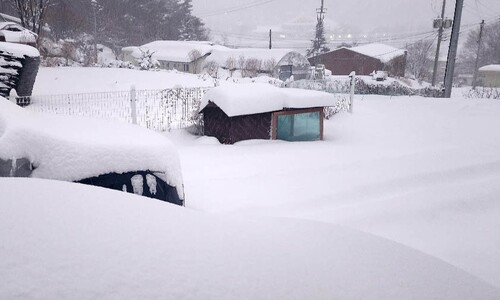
231	130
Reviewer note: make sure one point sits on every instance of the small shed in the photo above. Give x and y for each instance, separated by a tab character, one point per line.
490	75
260	111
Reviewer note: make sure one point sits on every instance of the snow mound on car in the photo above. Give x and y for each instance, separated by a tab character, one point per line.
75	148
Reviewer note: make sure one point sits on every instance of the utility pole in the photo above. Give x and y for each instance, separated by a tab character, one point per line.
270	39
452	53
320	16
440	37
94	5
474	80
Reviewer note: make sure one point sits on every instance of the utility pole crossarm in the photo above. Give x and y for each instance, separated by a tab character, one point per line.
440	37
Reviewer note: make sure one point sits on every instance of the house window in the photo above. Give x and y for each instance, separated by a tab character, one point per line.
300	126
186	67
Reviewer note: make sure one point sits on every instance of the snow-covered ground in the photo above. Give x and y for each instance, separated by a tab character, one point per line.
69	241
422	172
71	80
273	219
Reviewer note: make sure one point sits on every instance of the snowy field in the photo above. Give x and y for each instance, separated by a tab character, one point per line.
401	200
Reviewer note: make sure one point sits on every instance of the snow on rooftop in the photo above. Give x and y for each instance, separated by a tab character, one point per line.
174	51
247	99
490	68
380	51
75	148
19	50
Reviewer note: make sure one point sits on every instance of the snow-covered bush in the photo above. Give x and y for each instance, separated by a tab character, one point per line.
146	61
482	93
366	87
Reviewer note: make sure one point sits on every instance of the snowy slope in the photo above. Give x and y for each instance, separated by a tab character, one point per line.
70	241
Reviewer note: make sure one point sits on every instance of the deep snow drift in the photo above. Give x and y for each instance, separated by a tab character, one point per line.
70	241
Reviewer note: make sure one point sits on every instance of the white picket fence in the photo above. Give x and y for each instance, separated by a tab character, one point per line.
159	110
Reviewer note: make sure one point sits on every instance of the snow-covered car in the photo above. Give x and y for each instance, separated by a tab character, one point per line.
15	33
379	75
108	154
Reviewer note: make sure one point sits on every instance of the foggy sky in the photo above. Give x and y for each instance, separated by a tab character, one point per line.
358	15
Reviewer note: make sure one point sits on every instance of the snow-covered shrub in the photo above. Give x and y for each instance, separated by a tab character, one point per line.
366	87
482	93
120	64
146	60
343	104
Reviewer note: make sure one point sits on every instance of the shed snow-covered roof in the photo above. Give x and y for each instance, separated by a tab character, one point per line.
382	52
174	51
75	148
490	68
255	98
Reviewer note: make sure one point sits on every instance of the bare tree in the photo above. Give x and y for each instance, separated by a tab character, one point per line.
419	59
68	51
241	62
490	49
252	67
231	65
194	57
269	65
32	13
212	68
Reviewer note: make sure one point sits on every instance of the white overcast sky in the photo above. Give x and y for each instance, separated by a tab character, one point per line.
361	15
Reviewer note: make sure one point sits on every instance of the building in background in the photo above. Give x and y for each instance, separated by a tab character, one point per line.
490	75
364	60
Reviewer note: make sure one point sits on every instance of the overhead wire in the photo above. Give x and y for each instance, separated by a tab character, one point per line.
235	9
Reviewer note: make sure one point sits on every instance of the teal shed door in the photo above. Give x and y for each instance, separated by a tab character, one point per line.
299	127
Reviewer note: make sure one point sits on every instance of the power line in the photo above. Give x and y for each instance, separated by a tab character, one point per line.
235	9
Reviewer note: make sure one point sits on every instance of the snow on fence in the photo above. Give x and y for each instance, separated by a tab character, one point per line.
160	110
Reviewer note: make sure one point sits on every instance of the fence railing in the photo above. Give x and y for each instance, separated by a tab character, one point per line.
160	110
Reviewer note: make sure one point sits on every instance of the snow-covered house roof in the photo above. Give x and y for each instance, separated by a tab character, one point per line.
382	52
75	148
174	51
490	68
247	99
220	55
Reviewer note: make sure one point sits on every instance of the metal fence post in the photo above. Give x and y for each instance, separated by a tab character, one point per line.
353	84
133	104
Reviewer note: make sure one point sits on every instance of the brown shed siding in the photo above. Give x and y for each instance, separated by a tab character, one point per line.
231	130
343	61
